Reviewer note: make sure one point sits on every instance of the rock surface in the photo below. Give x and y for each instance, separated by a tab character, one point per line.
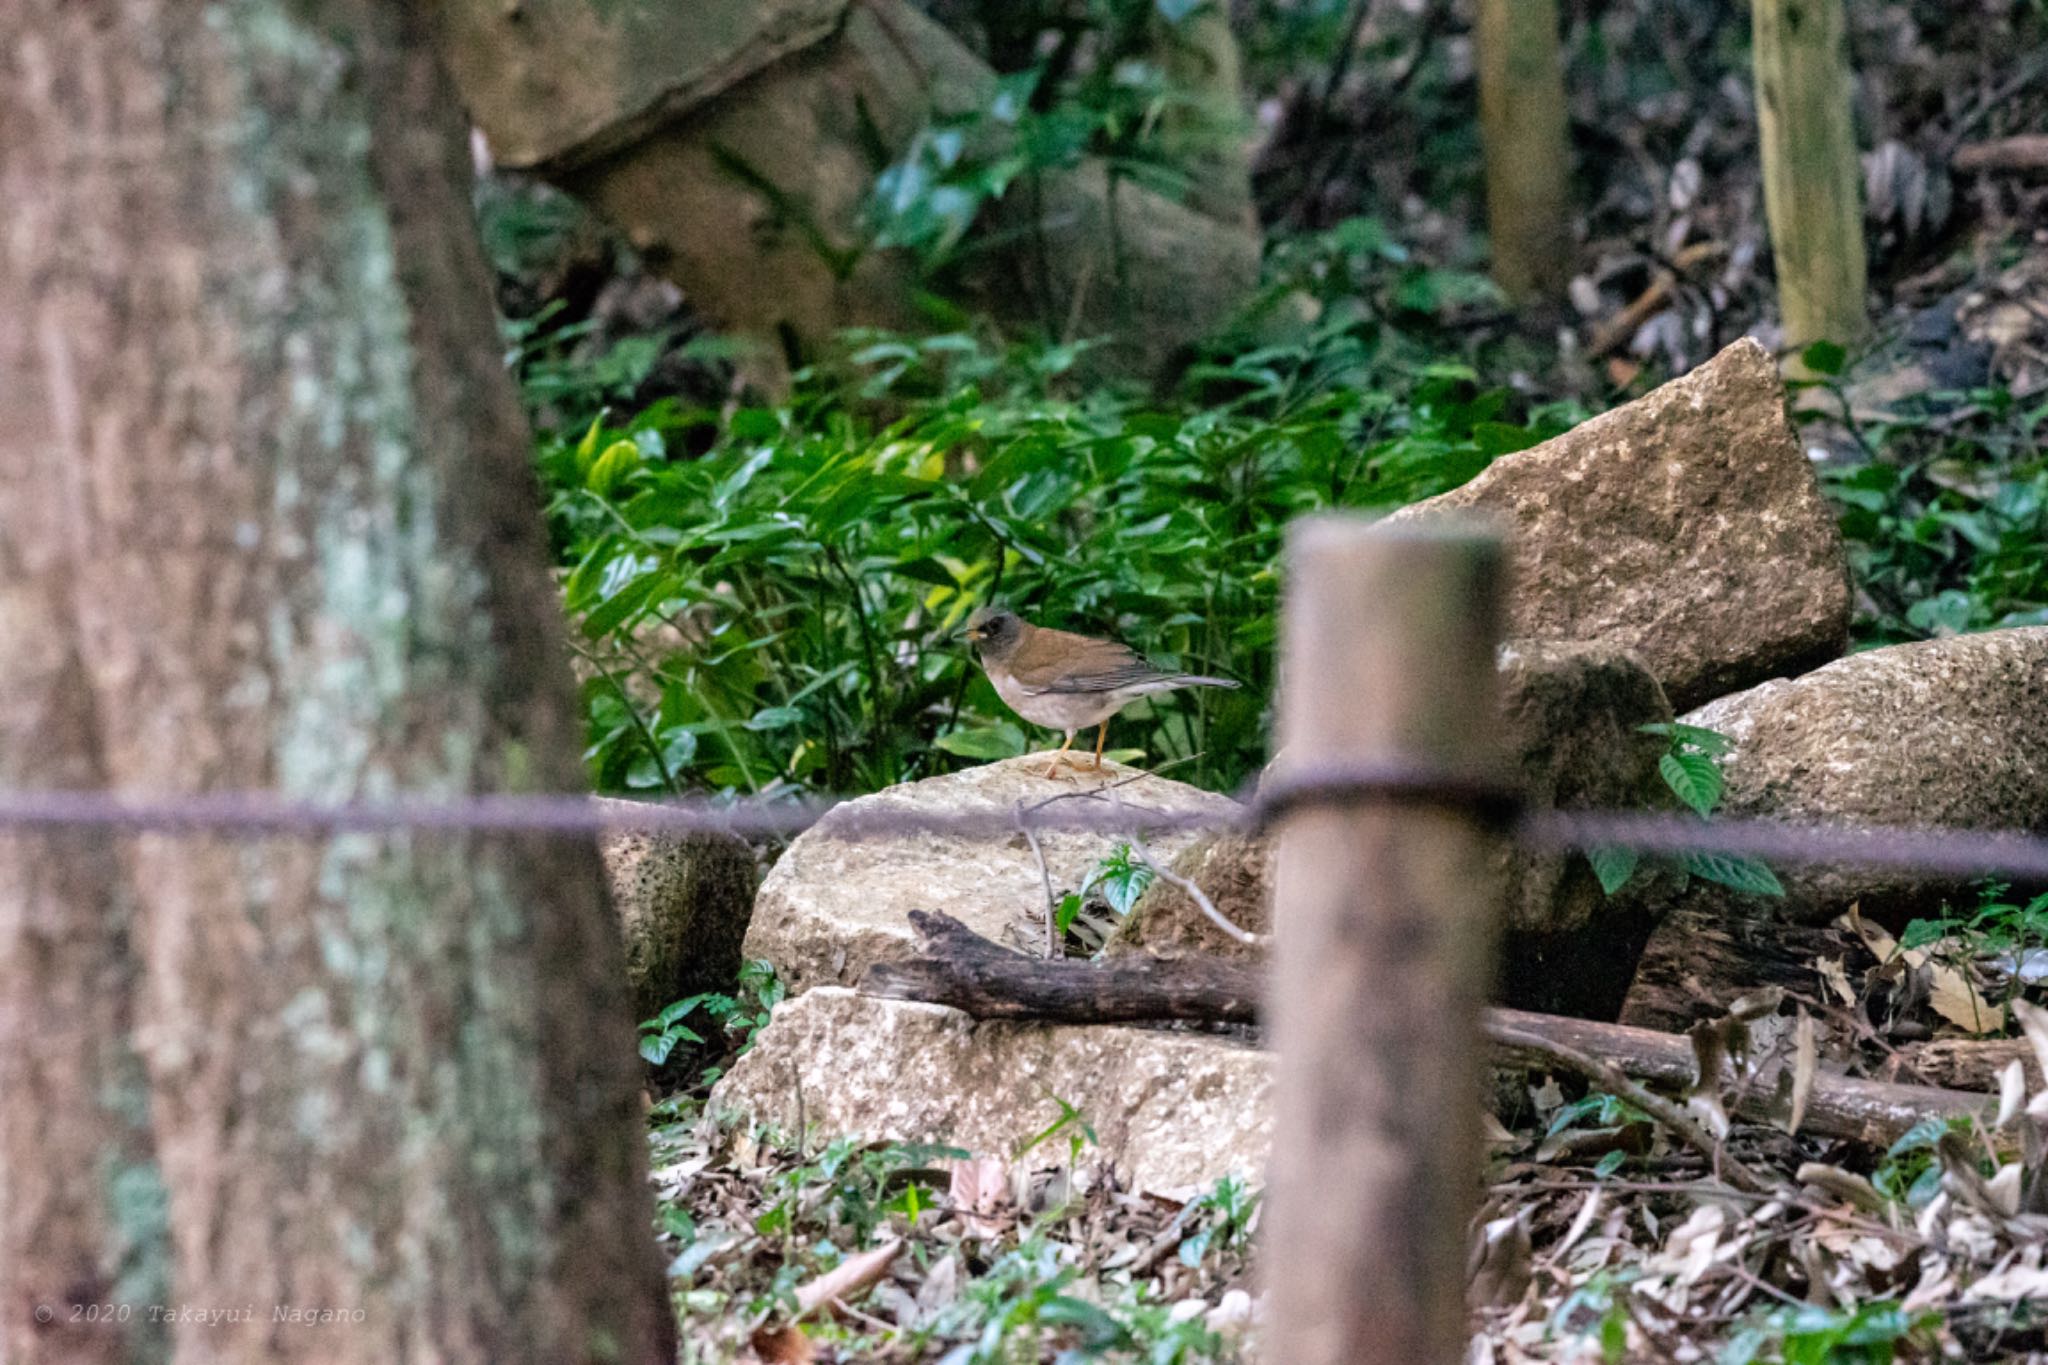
1172	1110
1235	871
832	906
1572	713
1950	732
684	901
1685	527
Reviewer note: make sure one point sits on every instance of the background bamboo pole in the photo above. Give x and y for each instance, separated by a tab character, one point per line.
1811	172
1528	158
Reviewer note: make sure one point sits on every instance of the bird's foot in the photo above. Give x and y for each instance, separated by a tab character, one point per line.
1059	760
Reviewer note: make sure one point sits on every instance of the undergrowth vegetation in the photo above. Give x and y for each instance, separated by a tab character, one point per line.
767	596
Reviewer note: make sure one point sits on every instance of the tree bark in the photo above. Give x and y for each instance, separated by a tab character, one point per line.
81	1198
289	511
988	981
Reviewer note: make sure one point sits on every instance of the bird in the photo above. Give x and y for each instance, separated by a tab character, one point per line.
1065	681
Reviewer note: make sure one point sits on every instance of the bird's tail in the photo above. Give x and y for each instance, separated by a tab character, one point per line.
1197	680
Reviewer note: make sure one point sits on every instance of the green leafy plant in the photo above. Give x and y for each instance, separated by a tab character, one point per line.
1598	1114
738	1016
1809	1334
661	1035
1910	1173
1944	511
1071	1121
1691	771
776	612
1120	876
1599	1309
2012	934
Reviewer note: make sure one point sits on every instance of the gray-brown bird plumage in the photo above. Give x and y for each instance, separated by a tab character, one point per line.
1065	681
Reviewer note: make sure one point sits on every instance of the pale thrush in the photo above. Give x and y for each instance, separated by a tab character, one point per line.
1065	681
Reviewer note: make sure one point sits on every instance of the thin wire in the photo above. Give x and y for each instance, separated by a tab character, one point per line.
1937	851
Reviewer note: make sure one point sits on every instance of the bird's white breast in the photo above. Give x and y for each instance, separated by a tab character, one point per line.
1059	710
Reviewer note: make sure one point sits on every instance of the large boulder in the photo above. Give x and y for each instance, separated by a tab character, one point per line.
834	905
1172	1110
1949	732
683	901
1686	528
1573	716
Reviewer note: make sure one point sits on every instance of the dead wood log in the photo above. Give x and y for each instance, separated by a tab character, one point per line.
968	972
1966	1063
2021	154
988	981
1696	962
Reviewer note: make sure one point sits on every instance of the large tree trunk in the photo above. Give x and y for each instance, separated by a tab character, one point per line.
282	497
80	1197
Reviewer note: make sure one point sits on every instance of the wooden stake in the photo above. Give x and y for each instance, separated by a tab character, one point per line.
1528	156
1385	919
1812	178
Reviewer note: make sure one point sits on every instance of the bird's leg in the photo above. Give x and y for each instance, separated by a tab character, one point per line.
1101	736
1053	768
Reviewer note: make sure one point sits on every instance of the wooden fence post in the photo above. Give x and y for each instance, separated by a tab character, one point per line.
1385	922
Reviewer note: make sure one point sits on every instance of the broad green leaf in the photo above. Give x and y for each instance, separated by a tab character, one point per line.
1613	866
1694	779
995	741
619	459
1737	873
1824	357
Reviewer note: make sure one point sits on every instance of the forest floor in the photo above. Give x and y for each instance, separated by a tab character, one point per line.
1602	1235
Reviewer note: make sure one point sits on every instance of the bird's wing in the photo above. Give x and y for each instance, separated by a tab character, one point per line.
1058	661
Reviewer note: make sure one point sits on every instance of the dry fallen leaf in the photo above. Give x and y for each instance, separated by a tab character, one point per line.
2012	1092
2034	1023
978	1188
1950	993
1805	1057
846	1280
1842	1184
1503	1262
782	1346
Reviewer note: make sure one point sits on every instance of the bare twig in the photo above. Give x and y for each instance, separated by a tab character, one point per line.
1193	893
1053	946
1615	1081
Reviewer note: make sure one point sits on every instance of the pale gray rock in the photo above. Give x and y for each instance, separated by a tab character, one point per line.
1173	1111
1950	732
1685	527
832	906
683	902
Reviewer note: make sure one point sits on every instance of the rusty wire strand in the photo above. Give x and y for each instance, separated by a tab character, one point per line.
1938	851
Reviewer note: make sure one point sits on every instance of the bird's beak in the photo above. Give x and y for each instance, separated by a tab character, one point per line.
968	633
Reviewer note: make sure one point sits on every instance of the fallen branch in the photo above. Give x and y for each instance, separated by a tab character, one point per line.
968	972
988	981
2027	152
1611	1078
